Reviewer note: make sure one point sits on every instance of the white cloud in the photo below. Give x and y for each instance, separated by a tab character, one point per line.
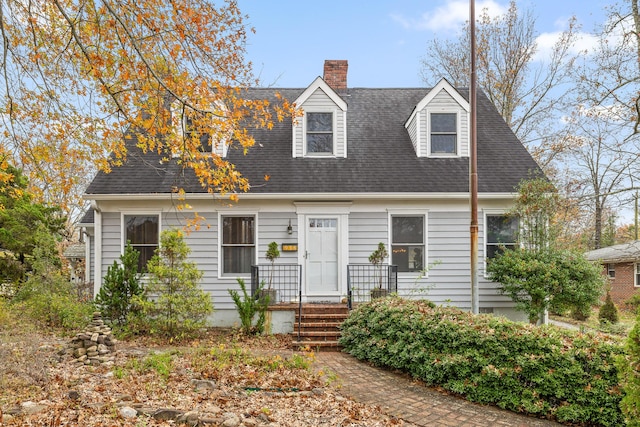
584	42
448	17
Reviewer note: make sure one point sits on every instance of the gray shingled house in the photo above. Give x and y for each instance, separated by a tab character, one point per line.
361	166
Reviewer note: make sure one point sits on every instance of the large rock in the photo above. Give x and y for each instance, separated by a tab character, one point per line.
127	412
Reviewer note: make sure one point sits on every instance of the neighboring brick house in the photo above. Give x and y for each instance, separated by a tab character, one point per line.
621	264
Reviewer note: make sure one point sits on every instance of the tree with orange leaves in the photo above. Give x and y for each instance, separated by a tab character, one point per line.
79	75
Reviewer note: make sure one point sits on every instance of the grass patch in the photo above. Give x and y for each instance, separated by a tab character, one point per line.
626	320
250	370
160	363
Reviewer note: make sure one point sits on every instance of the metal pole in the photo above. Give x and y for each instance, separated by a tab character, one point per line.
635	231
473	164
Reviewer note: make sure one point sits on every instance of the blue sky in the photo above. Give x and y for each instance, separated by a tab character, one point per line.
382	40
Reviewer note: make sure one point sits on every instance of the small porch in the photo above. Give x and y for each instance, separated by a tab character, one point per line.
315	323
364	283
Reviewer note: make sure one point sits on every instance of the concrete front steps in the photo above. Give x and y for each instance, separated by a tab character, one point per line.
317	325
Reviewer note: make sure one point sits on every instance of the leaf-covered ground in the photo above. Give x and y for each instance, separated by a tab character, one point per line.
219	380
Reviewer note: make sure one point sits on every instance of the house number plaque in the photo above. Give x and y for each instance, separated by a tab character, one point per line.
289	247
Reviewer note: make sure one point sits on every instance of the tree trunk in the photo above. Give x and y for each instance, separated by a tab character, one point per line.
597	238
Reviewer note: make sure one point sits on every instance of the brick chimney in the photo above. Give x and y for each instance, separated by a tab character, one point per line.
335	74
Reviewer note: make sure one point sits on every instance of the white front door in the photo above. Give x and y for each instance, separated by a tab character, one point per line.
322	256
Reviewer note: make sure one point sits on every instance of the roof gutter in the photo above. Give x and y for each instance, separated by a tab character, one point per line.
301	196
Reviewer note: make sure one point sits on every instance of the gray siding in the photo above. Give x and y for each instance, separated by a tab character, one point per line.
412	129
447	242
448	248
272	227
366	230
204	251
111	240
423	116
92	258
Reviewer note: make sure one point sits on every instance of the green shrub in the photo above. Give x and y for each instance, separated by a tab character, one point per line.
629	375
608	311
177	307
48	298
248	307
60	310
539	280
634	301
543	371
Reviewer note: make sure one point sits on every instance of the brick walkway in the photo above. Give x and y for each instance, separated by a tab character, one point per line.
399	396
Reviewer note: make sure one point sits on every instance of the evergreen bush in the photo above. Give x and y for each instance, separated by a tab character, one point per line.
175	306
608	311
543	371
120	286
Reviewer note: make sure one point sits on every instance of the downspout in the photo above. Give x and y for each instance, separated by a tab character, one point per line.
473	165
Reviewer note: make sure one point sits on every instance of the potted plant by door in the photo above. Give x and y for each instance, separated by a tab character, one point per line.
272	254
376	258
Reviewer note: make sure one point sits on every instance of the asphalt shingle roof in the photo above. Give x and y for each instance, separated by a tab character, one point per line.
87	218
625	252
380	155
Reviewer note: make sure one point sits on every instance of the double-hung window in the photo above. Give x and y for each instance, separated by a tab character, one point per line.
502	232
444	133
319	133
636	268
611	270
143	233
238	244
408	242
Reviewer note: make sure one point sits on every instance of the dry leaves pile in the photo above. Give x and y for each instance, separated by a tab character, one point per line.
220	380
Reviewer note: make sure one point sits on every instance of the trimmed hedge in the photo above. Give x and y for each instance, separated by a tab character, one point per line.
543	371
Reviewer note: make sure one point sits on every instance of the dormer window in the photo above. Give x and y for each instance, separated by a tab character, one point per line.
190	127
444	133
319	133
439	124
322	131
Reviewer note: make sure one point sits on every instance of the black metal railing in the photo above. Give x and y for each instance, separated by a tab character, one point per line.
283	279
367	281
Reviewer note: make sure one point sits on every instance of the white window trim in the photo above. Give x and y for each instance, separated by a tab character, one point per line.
410	212
334	126
609	270
636	265
458	132
221	214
